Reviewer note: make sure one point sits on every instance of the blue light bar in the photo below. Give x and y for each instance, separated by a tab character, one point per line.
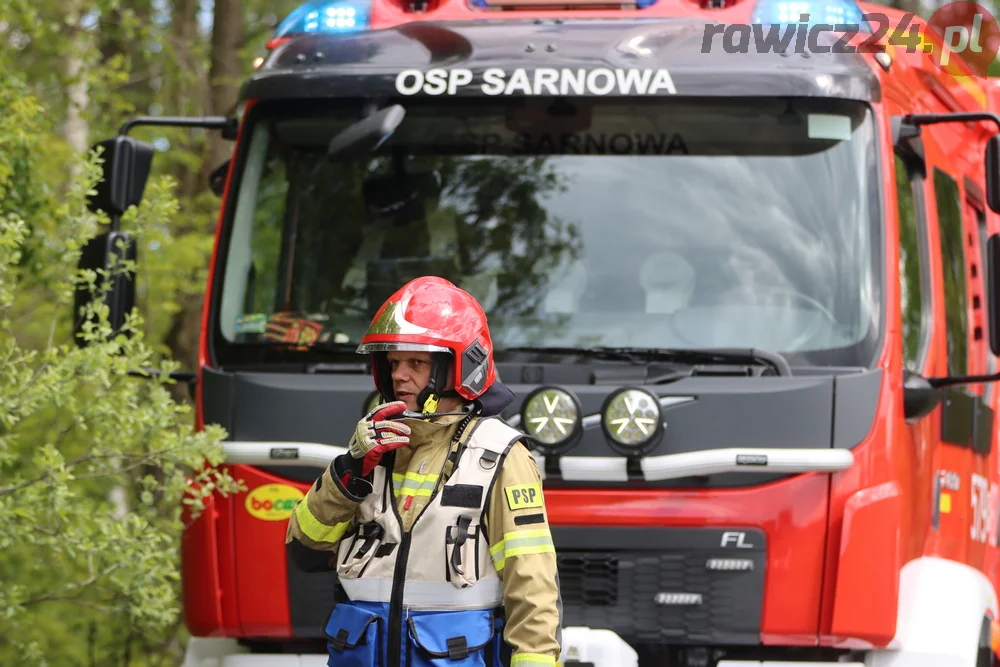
327	16
829	12
639	4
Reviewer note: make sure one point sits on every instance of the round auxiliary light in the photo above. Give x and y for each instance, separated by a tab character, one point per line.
632	421
553	418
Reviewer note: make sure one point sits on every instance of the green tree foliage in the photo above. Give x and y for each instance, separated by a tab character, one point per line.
95	465
93	461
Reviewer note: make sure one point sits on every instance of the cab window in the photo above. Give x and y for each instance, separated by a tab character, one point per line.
914	287
949	212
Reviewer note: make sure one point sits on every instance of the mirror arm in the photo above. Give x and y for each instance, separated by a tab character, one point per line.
229	126
933	118
962	379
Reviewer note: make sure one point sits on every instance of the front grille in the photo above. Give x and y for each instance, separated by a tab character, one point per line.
590	578
662	585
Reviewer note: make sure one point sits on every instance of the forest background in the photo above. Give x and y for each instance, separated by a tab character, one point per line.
94	463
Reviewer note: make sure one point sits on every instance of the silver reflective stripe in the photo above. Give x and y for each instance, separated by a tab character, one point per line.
706	462
267	453
485	594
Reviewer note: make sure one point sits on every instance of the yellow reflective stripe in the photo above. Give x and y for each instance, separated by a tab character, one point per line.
521	543
413	476
316	530
413	484
522	535
424	489
532	660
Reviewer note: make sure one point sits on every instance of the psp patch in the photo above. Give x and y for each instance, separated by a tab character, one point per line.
523	496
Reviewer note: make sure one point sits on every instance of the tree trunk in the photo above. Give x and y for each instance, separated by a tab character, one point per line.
186	80
77	133
75	73
135	96
225	75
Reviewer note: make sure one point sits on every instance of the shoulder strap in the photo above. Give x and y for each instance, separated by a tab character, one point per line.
494	448
491	436
493	430
458	446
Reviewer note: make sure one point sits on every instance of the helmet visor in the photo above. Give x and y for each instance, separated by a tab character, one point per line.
366	348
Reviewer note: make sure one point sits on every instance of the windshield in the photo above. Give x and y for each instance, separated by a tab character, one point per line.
672	222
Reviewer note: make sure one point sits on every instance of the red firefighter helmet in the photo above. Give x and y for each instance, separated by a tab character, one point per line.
433	315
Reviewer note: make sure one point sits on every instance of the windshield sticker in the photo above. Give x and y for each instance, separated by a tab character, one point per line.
251	323
591	143
542	81
829	126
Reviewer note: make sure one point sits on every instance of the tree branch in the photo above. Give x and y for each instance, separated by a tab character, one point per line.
61	594
7	490
75	600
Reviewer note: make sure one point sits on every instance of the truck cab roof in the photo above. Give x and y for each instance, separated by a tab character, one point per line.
693	52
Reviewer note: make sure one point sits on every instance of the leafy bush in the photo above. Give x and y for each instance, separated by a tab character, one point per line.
95	464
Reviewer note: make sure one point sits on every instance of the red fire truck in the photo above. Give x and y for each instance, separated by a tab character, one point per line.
743	283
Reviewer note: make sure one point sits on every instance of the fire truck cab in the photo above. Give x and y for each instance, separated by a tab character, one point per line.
741	275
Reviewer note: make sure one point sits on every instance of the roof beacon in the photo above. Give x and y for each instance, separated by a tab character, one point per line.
499	5
841	14
326	16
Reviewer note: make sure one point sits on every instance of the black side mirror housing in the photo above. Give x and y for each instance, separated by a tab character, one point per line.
104	252
217	179
920	397
127	164
993	291
993	173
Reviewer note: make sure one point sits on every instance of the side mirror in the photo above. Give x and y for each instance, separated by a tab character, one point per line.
366	135
993	290
126	169
217	179
993	173
102	253
920	397
127	164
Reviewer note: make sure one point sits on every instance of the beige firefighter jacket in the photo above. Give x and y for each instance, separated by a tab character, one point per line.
516	529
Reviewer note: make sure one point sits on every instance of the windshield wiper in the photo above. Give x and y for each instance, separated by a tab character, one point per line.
639	355
330	346
318	346
351	368
361	365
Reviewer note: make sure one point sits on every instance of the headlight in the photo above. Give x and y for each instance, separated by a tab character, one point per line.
553	418
632	421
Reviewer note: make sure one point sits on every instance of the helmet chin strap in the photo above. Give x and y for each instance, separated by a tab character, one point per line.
410	414
429	397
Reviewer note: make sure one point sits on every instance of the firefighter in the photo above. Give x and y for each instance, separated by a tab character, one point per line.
444	498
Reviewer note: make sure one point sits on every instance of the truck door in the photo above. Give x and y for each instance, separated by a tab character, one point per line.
915	275
960	486
983	485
